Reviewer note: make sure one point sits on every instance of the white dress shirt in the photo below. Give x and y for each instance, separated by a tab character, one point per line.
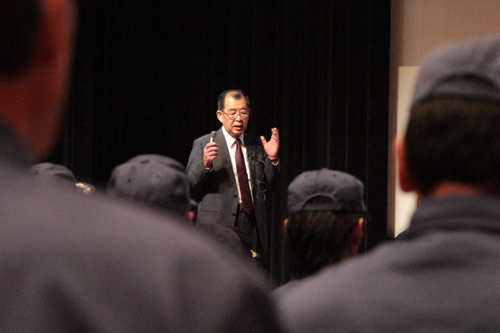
231	146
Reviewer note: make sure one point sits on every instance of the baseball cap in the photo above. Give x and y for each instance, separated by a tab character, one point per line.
53	171
345	191
57	173
152	179
469	69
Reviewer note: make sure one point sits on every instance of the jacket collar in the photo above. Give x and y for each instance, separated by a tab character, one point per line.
480	212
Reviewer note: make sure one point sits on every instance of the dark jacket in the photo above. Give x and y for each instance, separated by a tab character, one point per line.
72	262
442	275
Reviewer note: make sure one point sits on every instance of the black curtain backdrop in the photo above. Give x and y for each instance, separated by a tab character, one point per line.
147	76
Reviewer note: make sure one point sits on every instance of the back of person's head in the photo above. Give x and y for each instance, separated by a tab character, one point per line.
153	180
325	222
454	129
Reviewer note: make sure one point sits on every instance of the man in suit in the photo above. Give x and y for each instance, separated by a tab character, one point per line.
443	274
75	263
229	192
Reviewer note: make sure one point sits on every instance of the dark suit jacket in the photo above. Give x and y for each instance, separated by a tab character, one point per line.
216	190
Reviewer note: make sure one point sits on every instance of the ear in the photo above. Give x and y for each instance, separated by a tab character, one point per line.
405	181
219	115
285	223
356	237
190	216
358	232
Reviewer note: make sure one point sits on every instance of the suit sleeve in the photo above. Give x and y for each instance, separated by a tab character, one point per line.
272	174
196	170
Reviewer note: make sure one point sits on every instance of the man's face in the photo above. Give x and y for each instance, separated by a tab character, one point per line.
236	109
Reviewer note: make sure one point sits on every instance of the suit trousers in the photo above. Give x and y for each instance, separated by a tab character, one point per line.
246	228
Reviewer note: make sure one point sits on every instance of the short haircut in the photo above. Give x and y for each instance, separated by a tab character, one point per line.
234	93
20	21
318	238
454	139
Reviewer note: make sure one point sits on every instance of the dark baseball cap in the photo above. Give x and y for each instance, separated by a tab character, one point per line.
469	69
152	179
53	171
345	191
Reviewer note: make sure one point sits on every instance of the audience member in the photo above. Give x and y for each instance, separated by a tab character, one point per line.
60	174
325	223
443	273
162	182
155	180
54	172
78	263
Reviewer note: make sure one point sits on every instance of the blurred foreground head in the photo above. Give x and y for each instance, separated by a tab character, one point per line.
71	263
35	50
453	135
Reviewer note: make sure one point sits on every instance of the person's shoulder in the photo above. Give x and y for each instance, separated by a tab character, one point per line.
61	234
46	211
163	233
284	289
337	278
308	305
338	288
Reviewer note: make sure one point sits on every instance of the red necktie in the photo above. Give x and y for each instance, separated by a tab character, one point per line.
246	196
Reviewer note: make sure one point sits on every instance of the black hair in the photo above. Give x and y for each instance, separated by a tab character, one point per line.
318	238
234	93
454	139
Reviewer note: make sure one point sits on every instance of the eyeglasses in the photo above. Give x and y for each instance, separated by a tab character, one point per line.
244	114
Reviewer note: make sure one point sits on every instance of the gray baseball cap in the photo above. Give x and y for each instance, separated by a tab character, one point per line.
345	191
53	171
152	179
469	69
